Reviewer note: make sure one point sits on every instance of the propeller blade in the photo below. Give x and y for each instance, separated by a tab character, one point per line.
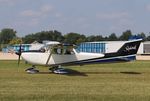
19	54
19	60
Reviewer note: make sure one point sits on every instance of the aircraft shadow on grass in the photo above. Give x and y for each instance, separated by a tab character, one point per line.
71	72
134	73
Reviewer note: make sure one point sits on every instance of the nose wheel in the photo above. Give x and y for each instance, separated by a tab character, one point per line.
32	70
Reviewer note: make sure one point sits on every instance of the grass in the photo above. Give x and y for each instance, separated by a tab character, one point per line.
100	82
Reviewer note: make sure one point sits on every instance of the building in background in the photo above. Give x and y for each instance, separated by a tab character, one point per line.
146	47
25	47
110	46
92	47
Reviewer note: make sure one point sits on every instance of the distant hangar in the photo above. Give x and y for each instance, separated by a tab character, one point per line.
110	46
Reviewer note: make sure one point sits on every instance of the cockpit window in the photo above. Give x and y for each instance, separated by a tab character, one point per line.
57	51
68	51
44	48
63	50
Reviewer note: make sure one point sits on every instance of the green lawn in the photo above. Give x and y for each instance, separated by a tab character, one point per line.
101	82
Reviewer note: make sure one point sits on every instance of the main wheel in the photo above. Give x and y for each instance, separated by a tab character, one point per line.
32	70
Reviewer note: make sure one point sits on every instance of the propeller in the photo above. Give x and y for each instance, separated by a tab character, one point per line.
19	54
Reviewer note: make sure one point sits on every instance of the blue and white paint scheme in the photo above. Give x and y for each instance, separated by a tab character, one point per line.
56	54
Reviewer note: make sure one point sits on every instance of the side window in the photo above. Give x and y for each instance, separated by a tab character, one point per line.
57	51
42	49
68	51
45	49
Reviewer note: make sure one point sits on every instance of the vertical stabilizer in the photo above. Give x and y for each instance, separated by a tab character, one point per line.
130	47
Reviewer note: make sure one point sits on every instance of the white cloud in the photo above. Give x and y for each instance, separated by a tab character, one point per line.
122	25
5	1
43	11
34	22
111	16
30	23
46	8
30	13
34	18
148	7
58	15
8	2
116	21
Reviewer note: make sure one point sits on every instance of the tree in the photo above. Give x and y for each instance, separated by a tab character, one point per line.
29	38
95	38
142	35
15	41
112	37
81	39
126	35
74	38
90	38
43	35
148	37
57	36
6	35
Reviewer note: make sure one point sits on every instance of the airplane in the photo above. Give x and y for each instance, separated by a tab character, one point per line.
55	55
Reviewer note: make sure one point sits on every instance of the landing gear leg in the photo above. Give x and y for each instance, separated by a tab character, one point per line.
32	70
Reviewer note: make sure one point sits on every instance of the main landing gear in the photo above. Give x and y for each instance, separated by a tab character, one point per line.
32	70
54	69
58	70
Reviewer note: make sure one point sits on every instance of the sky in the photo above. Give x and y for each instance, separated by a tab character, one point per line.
88	17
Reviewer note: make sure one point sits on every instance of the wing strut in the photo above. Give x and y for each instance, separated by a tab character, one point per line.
49	56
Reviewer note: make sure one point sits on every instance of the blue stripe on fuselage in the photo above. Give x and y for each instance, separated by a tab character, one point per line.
102	60
108	60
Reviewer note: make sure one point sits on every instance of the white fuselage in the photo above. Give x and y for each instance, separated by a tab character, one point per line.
37	58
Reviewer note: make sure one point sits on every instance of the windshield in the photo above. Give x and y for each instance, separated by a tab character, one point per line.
45	48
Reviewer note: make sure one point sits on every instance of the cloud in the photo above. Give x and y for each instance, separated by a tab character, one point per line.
30	13
58	15
116	21
46	8
148	7
2	1
43	11
8	2
34	22
111	16
120	25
